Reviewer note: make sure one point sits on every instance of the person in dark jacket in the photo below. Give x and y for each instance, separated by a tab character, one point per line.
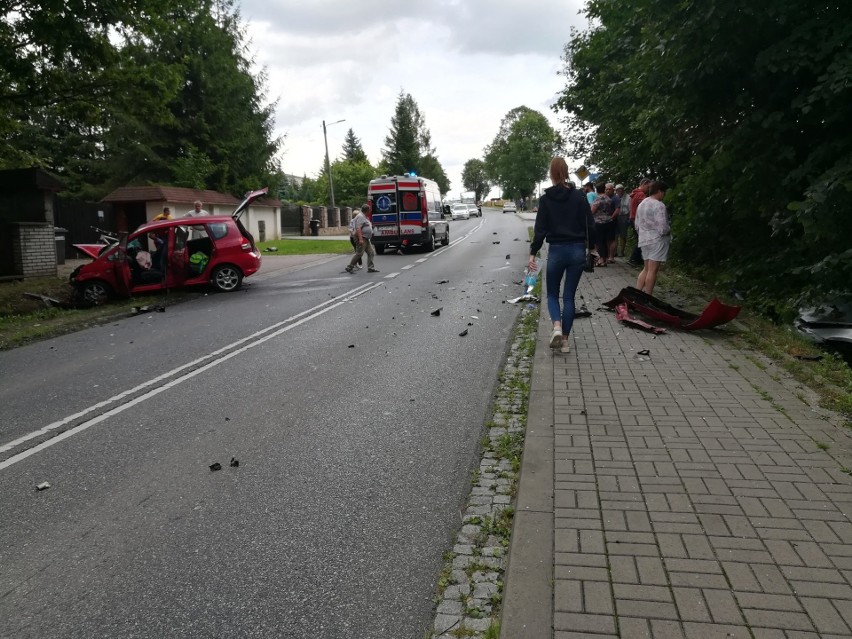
565	220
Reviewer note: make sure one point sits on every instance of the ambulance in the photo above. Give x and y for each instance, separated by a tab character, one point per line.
406	211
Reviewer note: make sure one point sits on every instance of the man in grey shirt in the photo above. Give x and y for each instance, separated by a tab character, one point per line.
363	236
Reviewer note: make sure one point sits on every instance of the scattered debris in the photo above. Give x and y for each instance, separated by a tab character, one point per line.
443	282
524	298
497	242
215	467
43	486
623	315
234	462
583	312
136	310
351	346
270	249
808	358
463	333
436	312
643	352
508	257
50	302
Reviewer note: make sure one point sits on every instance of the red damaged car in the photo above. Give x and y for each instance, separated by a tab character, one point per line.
189	251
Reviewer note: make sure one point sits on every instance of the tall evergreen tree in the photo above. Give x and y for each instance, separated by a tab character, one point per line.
402	144
408	146
66	69
352	149
218	120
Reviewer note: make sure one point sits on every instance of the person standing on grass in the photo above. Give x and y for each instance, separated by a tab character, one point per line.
364	235
655	235
565	220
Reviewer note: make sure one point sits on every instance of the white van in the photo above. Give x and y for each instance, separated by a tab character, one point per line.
406	210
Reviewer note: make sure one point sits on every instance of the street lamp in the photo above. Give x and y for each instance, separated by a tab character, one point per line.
327	164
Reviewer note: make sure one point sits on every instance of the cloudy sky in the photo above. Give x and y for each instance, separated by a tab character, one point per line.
465	62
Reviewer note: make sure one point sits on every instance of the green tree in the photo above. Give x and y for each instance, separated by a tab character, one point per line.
66	69
475	178
352	149
430	167
402	150
520	154
741	109
350	178
218	109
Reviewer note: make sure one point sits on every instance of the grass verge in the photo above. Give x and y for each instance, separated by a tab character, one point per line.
305	247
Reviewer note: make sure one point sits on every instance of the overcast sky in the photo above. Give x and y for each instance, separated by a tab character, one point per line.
465	62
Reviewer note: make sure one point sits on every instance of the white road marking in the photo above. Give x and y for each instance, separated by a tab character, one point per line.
217	357
422	259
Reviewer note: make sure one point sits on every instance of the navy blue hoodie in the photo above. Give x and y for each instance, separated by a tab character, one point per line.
564	217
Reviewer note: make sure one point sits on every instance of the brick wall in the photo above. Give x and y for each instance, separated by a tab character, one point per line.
339	220
34	249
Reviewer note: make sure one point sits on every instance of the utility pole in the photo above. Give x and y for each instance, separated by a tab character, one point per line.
327	163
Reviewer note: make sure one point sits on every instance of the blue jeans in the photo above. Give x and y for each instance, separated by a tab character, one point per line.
564	260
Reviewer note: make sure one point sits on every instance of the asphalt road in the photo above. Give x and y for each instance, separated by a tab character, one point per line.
354	413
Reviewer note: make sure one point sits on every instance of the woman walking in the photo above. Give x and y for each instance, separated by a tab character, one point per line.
565	220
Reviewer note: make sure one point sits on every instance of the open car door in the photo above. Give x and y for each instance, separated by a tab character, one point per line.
176	258
121	267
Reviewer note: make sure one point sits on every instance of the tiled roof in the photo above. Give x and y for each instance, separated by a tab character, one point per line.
176	194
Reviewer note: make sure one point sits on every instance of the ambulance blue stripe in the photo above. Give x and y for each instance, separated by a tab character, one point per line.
381	219
412	216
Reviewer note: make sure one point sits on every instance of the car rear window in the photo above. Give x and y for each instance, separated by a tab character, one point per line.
218	230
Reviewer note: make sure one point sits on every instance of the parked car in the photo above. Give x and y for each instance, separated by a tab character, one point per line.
509	207
460	211
189	251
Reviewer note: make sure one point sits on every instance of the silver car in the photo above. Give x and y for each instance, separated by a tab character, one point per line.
459	211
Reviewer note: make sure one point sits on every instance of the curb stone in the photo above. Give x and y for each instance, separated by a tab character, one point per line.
470	589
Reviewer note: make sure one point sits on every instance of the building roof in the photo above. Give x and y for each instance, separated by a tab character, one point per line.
176	194
179	195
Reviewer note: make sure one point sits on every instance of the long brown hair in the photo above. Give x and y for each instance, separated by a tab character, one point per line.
558	170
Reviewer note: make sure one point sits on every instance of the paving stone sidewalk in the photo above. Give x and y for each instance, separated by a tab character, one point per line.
687	493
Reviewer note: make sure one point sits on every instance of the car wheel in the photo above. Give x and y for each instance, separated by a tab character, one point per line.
446	239
94	292
227	278
430	245
380	249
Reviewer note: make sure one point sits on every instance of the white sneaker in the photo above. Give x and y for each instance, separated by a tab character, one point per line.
358	266
556	338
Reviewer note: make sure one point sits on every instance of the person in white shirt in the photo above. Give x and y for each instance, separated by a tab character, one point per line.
655	235
197	210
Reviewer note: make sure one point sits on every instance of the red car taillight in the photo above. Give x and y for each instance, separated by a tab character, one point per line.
246	246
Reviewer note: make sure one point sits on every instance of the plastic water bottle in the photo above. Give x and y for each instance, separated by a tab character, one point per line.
531	277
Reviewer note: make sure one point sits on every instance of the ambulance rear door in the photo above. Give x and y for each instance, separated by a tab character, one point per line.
411	222
385	215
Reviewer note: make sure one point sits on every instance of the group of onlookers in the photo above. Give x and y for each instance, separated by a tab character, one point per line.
597	220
